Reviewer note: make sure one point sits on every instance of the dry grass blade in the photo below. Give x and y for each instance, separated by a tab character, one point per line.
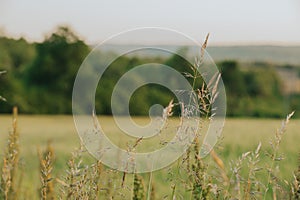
137	142
167	112
123	179
221	166
204	45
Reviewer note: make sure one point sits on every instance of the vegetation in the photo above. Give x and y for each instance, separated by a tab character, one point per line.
38	73
238	161
253	175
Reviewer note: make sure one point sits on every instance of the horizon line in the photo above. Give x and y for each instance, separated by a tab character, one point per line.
212	44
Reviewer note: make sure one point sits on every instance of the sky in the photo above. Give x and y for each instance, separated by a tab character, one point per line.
228	22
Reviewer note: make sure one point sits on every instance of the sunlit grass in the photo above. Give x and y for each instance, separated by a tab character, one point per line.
239	136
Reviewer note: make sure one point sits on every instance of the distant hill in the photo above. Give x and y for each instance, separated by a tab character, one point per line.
272	54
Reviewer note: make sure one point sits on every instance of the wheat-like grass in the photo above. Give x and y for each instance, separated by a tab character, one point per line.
9	181
46	159
6	180
138	188
76	181
200	185
95	176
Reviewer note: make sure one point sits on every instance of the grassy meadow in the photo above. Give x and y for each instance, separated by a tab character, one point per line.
239	136
42	156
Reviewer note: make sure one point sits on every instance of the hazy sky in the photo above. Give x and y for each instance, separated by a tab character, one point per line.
228	21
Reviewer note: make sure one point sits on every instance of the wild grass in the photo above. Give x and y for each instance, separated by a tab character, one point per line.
10	178
138	188
46	166
295	185
237	151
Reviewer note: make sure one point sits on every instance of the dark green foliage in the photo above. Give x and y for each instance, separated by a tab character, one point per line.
53	71
40	77
254	92
15	56
293	101
142	99
233	78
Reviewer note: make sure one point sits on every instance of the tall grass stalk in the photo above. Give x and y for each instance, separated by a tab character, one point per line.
138	188
274	156
9	178
295	186
46	159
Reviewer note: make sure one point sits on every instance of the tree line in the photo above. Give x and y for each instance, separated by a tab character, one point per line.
39	80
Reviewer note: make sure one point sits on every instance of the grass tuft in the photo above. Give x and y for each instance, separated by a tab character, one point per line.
9	181
46	166
138	188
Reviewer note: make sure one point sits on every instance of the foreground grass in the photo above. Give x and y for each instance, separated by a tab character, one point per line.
239	136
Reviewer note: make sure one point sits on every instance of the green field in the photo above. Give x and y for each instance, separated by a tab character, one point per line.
239	136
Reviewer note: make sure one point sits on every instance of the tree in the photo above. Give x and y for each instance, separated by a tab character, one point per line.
54	69
233	78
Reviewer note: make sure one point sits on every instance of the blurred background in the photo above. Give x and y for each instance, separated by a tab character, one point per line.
256	46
